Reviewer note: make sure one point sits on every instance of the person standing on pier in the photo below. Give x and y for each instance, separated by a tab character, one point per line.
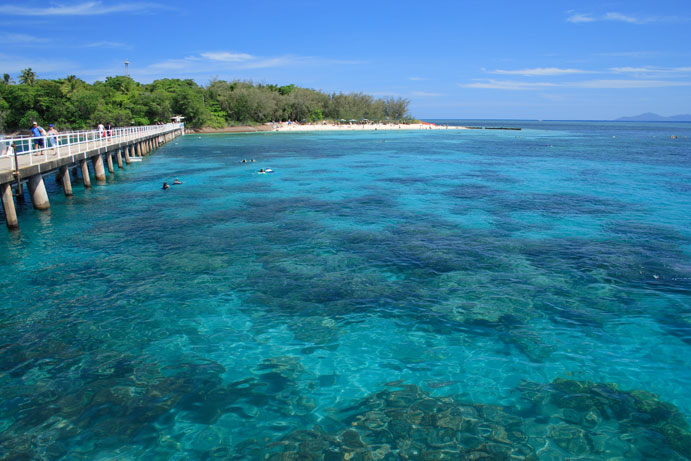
101	130
38	132
10	151
53	133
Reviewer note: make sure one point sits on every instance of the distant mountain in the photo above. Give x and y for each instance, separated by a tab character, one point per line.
650	117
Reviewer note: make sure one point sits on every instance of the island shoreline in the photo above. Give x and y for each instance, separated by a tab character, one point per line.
296	127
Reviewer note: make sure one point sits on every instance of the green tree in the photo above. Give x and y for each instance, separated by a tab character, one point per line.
4	112
7	79
396	108
73	103
84	102
71	84
21	99
286	89
190	103
49	101
27	77
158	105
28	118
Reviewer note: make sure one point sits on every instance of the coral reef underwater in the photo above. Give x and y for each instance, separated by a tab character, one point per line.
562	420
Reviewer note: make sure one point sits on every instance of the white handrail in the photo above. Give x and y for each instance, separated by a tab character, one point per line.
75	142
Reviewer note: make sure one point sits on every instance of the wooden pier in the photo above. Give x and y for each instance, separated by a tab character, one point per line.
71	152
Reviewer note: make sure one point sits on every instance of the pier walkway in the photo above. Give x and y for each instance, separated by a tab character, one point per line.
28	159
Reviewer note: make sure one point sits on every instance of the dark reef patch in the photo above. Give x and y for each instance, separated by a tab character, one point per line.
470	191
554	421
561	204
494	176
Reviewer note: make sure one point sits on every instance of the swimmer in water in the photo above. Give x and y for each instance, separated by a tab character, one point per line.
165	186
177	181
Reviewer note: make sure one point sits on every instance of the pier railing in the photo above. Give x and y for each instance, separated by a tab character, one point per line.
38	149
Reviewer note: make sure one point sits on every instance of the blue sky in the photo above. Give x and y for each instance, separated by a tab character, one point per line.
452	59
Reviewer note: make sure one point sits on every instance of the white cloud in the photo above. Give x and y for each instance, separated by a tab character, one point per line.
218	62
189	64
198	66
613	84
22	39
79	9
579	18
15	64
651	70
508	85
539	71
281	61
623	18
627	84
630	69
225	56
417	79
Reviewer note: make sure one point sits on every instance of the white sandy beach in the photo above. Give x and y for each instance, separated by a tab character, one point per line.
324	126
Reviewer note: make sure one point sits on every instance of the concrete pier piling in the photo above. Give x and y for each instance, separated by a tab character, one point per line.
37	190
86	179
8	206
126	149
99	170
64	174
118	156
109	162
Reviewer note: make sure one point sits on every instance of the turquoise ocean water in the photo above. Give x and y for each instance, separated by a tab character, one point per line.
382	295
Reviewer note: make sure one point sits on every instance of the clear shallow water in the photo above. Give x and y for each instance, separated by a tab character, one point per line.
226	313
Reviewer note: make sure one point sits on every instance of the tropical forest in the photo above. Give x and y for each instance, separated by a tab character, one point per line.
72	103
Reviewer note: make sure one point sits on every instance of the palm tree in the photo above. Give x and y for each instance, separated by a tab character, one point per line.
27	77
7	79
70	85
